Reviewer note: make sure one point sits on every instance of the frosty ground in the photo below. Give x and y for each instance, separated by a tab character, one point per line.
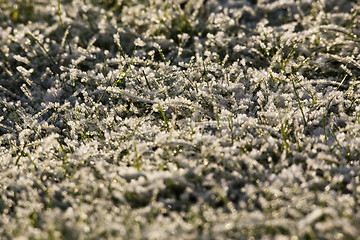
149	119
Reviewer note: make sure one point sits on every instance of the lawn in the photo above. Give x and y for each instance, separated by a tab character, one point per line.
179	119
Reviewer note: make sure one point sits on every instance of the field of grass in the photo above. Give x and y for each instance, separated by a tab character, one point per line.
198	119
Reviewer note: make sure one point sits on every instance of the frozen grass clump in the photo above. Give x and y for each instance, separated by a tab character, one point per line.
185	119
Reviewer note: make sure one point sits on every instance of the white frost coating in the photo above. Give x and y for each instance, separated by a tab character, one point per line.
186	120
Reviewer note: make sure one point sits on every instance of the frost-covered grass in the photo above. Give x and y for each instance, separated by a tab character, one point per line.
199	119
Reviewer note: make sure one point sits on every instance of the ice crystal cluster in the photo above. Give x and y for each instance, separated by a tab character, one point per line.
198	119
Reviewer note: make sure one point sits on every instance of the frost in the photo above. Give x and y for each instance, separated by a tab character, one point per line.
140	43
188	120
